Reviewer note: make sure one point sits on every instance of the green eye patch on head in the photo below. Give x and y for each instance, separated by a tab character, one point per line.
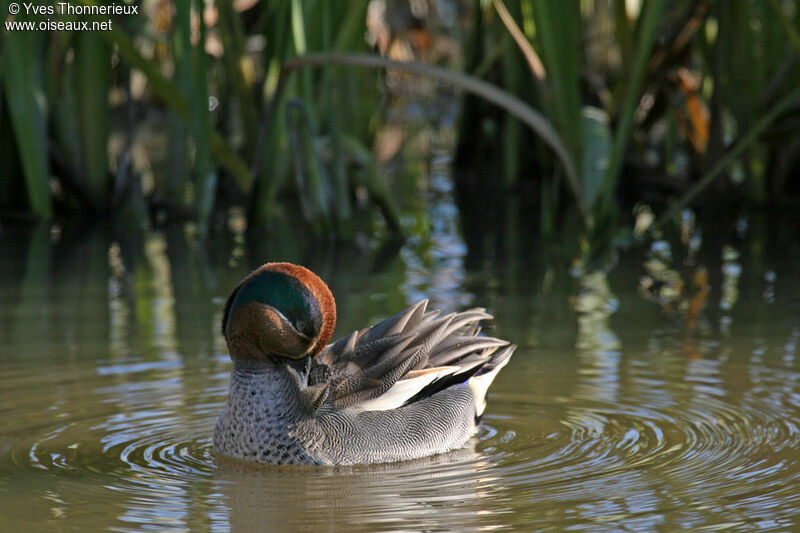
284	293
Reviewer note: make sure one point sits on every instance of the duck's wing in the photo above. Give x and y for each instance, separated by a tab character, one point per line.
407	357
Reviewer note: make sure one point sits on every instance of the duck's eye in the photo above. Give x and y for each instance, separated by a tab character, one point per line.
306	327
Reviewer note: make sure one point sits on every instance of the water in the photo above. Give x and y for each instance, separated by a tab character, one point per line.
662	396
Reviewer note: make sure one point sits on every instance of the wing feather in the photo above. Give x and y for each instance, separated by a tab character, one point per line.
404	358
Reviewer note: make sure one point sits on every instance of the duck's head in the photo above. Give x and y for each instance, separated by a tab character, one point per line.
281	310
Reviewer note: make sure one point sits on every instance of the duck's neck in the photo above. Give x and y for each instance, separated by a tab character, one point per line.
265	388
247	366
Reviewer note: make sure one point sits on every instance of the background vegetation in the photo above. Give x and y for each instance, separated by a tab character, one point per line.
257	112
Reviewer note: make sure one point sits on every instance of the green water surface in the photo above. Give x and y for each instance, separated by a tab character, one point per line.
663	394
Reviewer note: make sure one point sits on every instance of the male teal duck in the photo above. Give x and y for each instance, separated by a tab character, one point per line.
411	386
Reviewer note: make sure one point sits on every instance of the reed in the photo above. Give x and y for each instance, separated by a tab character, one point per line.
23	89
590	90
68	79
304	119
703	80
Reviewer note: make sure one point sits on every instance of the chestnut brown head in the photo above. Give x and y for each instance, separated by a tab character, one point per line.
280	309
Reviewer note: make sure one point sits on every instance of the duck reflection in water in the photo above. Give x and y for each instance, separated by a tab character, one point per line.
411	495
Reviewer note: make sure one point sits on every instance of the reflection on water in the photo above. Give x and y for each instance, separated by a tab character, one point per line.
661	395
451	485
438	273
594	304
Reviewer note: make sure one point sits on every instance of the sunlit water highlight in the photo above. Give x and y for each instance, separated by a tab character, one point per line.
675	448
622	409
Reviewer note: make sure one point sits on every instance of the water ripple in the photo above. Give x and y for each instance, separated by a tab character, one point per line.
663	452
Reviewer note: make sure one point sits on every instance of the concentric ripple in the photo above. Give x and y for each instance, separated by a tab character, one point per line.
679	446
698	454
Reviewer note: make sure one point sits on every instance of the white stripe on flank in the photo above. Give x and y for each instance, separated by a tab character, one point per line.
405	389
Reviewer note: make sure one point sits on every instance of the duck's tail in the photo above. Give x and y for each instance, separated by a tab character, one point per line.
480	382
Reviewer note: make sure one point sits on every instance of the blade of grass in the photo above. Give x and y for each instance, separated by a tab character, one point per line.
200	124
301	48
650	18
515	82
535	64
350	34
312	179
622	30
596	147
744	69
93	70
173	185
270	163
558	28
239	70
330	88
298	27
65	129
12	190
788	25
26	105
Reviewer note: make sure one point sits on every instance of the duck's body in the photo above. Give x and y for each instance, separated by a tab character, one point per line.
413	385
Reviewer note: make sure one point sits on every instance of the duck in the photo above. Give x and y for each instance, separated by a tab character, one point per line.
408	387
